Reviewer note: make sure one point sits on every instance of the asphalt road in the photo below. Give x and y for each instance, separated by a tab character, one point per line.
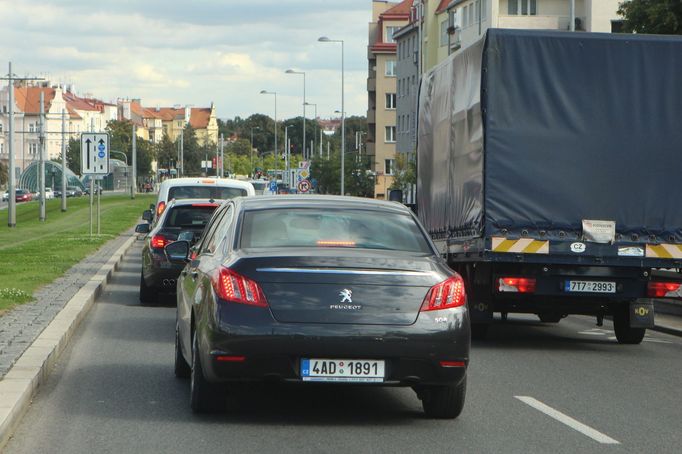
532	388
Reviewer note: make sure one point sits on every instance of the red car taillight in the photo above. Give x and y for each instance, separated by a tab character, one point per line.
160	242
516	285
663	289
235	288
449	293
159	208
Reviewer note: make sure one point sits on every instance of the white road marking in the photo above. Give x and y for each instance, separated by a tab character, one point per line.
567	420
592	333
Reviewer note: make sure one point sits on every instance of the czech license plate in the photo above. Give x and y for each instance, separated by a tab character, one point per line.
342	370
590	287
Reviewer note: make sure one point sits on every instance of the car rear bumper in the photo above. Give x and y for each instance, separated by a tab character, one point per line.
273	351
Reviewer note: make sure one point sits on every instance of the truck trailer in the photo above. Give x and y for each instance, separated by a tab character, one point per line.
548	174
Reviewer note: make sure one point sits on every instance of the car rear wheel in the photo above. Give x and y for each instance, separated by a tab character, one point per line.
182	369
205	397
621	325
444	402
147	294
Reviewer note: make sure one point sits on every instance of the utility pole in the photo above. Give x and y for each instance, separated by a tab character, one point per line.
133	186
571	15
63	195
41	150
11	202
222	156
182	153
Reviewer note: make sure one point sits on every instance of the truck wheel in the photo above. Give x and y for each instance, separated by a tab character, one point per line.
182	369
147	294
479	331
205	397
549	317
444	402
621	325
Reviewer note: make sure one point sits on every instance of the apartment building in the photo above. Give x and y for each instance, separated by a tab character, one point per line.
387	18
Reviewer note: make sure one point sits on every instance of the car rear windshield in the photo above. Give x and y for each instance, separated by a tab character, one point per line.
190	216
304	227
205	192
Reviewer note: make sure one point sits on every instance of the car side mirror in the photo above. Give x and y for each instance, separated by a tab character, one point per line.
147	215
177	252
142	228
186	236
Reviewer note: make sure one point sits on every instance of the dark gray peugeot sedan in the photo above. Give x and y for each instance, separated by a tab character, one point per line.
320	289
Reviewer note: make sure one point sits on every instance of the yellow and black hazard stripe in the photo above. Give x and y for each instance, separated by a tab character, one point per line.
520	246
664	251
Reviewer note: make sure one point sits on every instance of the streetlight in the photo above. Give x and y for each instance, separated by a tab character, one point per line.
312	152
252	128
291	71
265	92
324	39
287	155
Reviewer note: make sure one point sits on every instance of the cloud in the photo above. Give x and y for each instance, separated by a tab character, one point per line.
179	52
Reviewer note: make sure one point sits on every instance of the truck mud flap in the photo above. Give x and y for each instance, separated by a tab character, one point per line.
480	312
642	314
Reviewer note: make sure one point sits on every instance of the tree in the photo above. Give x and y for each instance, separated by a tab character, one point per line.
662	17
121	139
3	174
193	154
166	152
405	174
73	156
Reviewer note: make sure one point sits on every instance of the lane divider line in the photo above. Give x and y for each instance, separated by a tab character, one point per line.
567	420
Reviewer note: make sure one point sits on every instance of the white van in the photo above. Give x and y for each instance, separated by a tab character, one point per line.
200	188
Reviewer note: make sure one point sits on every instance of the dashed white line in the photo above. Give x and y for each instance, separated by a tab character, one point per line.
567	420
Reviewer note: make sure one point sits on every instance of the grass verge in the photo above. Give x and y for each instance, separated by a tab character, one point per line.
36	253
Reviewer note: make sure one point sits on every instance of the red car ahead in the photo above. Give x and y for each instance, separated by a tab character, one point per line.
22	195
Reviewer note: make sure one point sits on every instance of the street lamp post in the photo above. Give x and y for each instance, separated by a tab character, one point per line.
291	71
265	92
324	39
312	152
252	128
287	155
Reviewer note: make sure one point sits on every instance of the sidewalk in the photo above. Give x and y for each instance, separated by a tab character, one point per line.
23	324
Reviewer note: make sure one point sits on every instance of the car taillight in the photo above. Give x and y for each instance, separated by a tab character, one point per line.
235	288
663	289
160	242
516	285
449	293
160	207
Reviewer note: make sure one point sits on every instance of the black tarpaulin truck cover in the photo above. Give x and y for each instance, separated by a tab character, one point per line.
529	131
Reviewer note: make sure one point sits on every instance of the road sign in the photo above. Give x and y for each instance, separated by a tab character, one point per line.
304	165
94	153
303	186
273	186
303	174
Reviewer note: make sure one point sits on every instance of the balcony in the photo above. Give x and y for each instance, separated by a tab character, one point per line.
540	22
371	84
371	116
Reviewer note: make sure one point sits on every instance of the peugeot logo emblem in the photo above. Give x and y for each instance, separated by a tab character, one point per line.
346	296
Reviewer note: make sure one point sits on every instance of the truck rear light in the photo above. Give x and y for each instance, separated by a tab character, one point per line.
160	207
663	289
448	294
516	285
235	288
159	241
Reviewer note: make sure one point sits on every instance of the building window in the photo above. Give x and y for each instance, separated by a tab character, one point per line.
390	100
390	134
409	126
389	166
31	127
483	9
465	16
0	128
390	68
471	14
389	34
522	7
444	33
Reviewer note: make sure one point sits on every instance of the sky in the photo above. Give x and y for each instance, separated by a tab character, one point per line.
195	52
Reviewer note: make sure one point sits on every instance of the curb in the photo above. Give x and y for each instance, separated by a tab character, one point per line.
21	383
